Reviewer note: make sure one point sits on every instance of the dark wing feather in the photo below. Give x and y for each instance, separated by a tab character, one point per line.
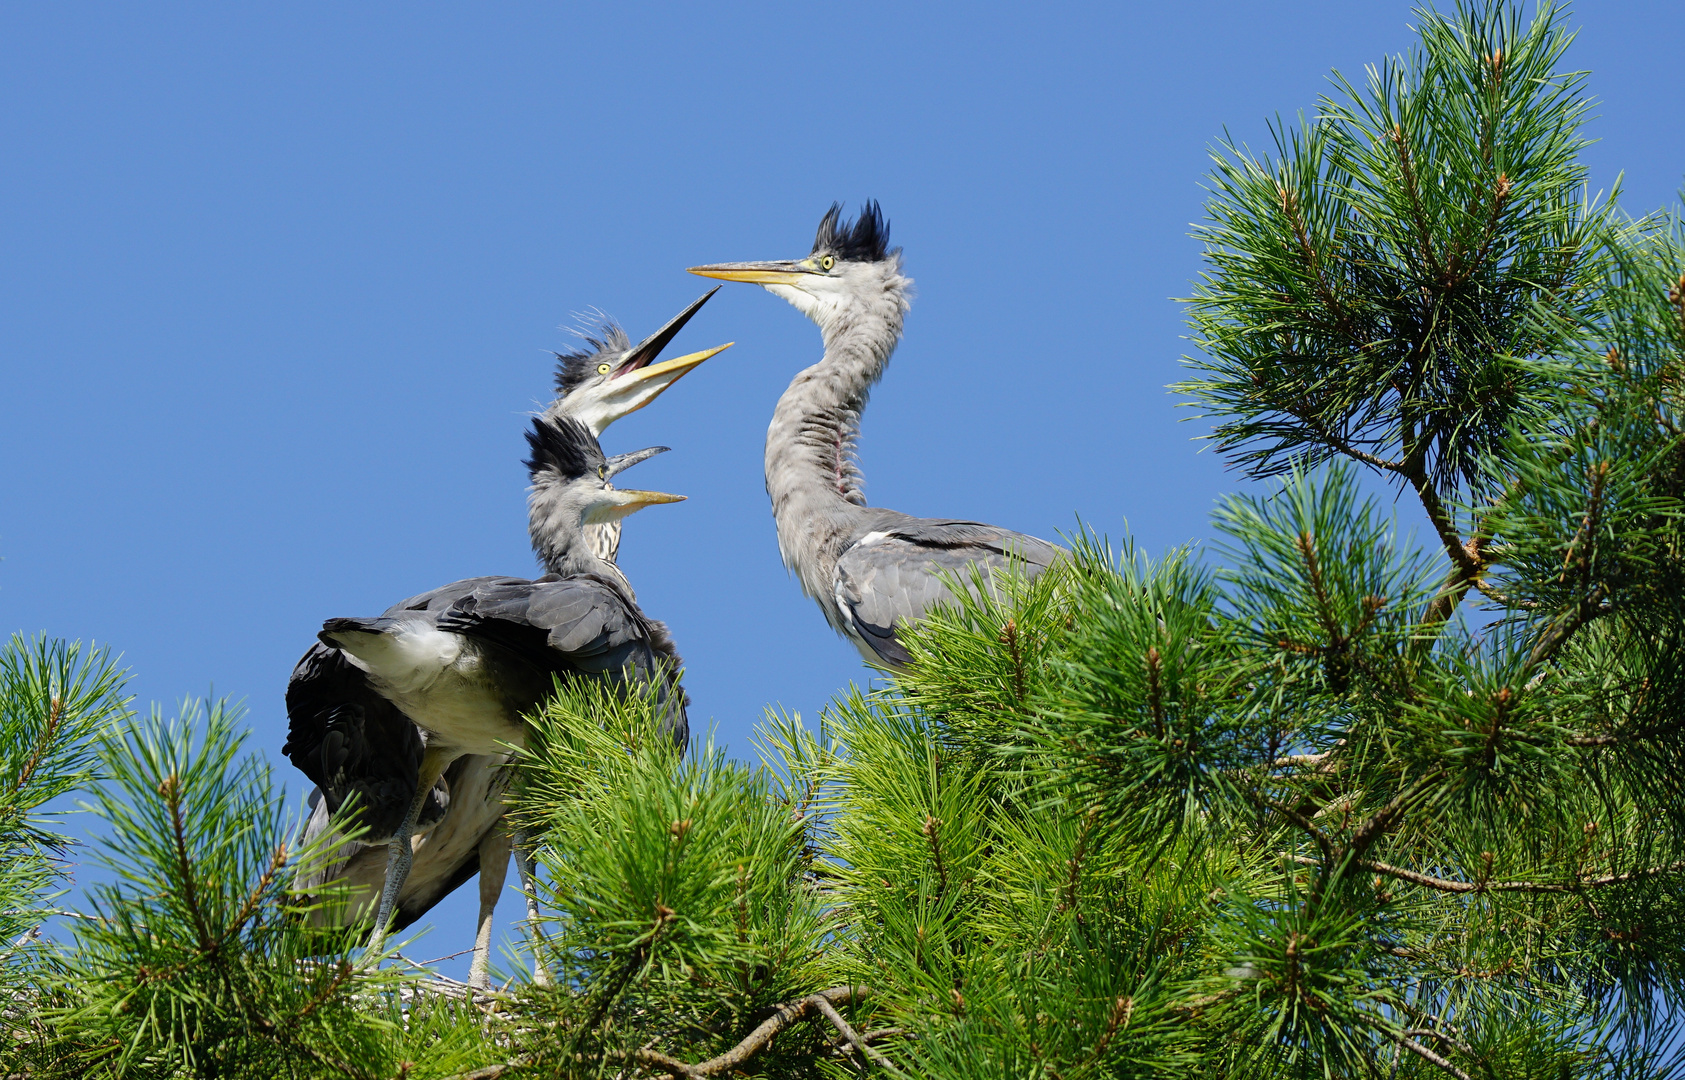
442	598
349	740
572	626
894	579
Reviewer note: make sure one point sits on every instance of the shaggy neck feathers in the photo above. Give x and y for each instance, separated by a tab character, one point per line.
812	475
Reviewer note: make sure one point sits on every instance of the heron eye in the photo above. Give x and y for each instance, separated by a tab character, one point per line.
602	471
827	262
602	369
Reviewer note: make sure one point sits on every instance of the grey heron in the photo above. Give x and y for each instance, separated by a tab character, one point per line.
869	569
464	662
611	378
376	752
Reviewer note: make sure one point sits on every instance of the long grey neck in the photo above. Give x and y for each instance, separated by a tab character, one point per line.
604	539
815	483
563	546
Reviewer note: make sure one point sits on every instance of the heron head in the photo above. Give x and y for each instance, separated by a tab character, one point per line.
572	482
850	261
610	377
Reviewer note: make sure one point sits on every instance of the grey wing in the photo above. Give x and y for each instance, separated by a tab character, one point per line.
573	626
444	596
894	575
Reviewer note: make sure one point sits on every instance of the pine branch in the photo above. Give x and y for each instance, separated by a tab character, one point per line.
824	1006
932	826
1557	633
1345	447
1468	556
1407	169
1448	1040
170	789
761	1037
784	1016
1299	820
1290	207
259	891
1382	820
55	712
1429	1056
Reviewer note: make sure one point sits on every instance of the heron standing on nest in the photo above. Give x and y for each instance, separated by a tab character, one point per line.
375	750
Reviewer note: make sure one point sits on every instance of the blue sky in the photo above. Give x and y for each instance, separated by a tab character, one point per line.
280	283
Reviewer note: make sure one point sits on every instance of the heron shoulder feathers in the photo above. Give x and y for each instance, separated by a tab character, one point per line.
895	573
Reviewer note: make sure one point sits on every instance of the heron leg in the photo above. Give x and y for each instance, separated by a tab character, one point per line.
494	868
398	854
523	863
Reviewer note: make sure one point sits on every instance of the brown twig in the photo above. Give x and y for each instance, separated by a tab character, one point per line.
1074	864
1376	827
1155	692
932	825
842	1026
1429	1056
1403	1039
342	973
1448	1040
1301	821
756	1041
1009	637
1407	169
1345	447
1122	1009
1301	233
1452	886
491	1072
1592	607
255	897
170	789
55	713
1614	738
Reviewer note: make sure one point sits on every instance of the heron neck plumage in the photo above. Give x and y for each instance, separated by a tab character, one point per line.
564	550
812	477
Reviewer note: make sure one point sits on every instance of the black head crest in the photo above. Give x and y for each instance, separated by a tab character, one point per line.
574	366
562	447
865	239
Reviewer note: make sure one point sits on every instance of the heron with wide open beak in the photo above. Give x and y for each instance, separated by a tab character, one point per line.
614	378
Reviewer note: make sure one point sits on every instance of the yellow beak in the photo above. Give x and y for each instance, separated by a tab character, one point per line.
675	368
758	273
639	499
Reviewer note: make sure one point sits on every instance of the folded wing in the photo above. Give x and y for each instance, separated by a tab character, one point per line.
893	575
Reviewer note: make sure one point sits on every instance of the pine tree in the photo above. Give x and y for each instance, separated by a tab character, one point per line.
53	697
1315	800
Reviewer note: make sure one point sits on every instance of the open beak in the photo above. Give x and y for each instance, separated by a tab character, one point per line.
786	272
619	463
638	380
668	372
650	348
617	503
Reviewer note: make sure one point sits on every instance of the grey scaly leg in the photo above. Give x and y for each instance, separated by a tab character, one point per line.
494	867
398	853
523	863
